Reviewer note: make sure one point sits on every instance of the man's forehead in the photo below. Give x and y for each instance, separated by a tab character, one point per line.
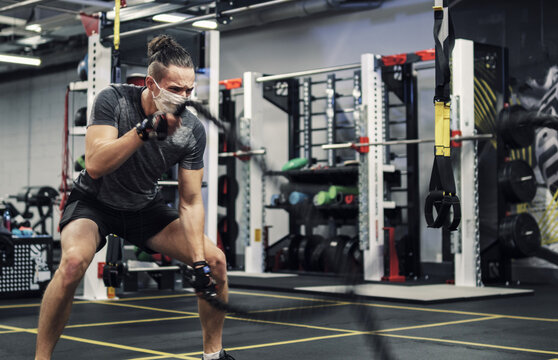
182	77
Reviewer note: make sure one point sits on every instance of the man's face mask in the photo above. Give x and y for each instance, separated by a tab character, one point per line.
167	101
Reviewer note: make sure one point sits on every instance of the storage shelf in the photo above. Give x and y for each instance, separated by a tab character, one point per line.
346	175
341	213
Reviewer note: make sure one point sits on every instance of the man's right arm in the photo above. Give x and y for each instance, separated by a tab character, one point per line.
105	151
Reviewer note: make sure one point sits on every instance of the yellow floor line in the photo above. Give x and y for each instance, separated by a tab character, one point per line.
14	306
454	312
228	317
438	324
277	343
107	344
297	308
291	324
146	308
157	297
404	307
279	296
130	321
470	344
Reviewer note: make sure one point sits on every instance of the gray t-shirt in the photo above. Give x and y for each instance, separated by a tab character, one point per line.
134	184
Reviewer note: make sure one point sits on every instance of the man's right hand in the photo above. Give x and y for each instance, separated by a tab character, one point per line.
158	125
201	280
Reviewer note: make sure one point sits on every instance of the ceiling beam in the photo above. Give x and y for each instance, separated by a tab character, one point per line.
100	4
10	20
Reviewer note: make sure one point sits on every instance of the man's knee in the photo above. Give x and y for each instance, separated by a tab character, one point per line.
218	264
73	267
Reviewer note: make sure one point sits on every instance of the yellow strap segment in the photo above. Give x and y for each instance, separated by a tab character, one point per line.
116	24
447	129
439	128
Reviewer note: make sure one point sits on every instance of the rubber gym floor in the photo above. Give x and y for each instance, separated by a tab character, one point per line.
153	324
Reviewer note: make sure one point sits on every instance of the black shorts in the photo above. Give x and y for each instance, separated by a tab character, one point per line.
135	227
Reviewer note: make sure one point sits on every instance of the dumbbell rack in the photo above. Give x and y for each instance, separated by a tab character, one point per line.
306	107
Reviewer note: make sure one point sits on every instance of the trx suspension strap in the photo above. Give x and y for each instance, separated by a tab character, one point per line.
116	73
442	195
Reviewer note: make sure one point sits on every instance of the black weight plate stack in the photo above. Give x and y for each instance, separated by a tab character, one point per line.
350	256
518	182
228	235
317	258
332	261
227	187
515	136
292	257
305	249
520	236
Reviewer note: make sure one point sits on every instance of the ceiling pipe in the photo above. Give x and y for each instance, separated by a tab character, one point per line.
19	5
191	20
299	9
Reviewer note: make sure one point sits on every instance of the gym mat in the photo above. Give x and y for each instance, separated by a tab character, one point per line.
424	293
419	293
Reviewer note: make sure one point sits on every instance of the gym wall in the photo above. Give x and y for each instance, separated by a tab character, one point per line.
32	123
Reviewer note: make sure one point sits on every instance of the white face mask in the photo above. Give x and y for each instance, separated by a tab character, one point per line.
167	101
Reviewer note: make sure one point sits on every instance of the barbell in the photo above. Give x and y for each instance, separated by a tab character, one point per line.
357	145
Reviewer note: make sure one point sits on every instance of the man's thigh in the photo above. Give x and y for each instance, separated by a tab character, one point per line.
171	241
143	225
80	238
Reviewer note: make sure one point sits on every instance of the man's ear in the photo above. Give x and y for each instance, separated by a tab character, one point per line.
150	83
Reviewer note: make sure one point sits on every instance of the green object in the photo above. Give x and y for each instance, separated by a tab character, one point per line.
345	190
80	163
295	164
143	256
321	198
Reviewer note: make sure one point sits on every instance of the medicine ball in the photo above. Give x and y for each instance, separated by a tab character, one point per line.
80	118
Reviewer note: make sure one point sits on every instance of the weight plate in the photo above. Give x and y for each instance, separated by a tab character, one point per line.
334	253
517	181
305	249
292	257
317	258
520	235
515	137
348	264
227	187
228	234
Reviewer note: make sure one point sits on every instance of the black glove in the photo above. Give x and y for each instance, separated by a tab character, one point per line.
154	126
201	280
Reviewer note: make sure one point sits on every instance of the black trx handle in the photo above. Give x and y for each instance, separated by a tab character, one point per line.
113	270
442	196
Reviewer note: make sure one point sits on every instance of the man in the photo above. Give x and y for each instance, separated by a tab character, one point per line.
116	193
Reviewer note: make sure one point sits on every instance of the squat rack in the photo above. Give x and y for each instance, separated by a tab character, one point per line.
371	121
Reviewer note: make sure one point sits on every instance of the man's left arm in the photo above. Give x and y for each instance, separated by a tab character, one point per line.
192	212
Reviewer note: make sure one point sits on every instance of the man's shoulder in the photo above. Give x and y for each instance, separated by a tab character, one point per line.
191	119
124	90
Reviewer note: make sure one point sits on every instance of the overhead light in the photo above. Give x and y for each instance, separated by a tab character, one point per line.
23	60
34	27
205	24
170	18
